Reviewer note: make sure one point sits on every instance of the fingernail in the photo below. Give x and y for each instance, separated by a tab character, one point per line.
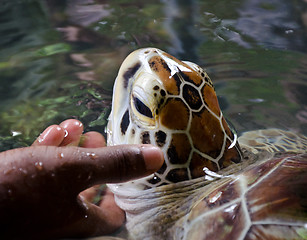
46	133
153	157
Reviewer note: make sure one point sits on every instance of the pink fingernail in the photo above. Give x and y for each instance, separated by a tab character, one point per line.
153	157
45	134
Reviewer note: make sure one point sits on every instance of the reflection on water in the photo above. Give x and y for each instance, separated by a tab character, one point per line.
59	59
273	24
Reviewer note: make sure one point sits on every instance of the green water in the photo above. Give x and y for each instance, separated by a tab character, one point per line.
59	59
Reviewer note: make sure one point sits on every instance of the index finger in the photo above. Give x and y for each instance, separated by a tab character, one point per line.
76	168
112	164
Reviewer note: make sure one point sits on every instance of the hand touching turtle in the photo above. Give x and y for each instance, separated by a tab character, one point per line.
40	185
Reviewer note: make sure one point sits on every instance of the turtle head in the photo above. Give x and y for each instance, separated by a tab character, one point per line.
160	100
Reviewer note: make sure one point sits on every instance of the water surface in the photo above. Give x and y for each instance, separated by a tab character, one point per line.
59	59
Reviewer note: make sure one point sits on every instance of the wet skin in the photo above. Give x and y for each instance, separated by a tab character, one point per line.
40	185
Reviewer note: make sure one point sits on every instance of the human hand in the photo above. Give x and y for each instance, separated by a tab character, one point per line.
40	185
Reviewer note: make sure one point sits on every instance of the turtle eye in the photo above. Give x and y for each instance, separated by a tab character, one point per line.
142	108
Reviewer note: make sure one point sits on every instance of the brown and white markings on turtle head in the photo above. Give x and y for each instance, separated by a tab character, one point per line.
172	104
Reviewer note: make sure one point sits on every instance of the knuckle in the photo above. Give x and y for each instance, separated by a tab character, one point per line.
127	163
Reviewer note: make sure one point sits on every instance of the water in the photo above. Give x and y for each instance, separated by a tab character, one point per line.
59	59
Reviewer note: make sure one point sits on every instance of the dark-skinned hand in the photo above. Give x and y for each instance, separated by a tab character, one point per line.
40	185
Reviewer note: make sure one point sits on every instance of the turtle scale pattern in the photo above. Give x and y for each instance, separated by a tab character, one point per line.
260	203
208	187
174	88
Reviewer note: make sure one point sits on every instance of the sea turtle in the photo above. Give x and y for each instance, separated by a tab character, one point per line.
211	185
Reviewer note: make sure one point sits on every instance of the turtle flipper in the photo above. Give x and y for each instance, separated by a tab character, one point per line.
273	141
